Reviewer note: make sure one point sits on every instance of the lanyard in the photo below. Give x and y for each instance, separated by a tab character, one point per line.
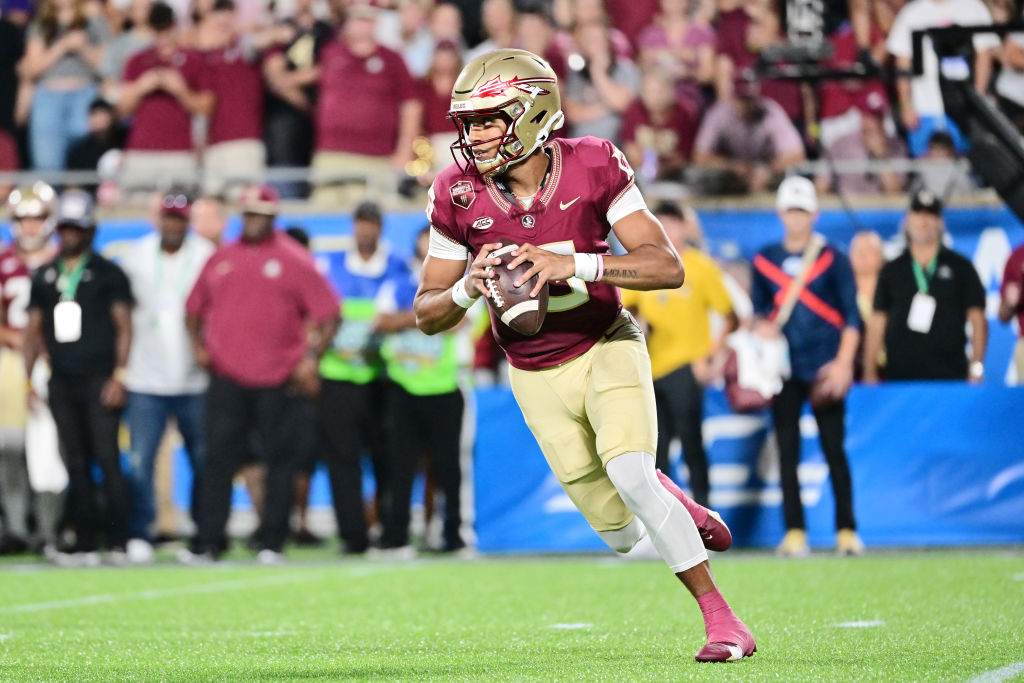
920	273
68	281
183	269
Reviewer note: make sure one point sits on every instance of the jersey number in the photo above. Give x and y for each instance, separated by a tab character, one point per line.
17	291
579	294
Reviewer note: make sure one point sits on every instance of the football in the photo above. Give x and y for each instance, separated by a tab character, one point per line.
513	305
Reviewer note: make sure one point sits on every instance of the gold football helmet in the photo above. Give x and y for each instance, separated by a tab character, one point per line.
517	84
32	201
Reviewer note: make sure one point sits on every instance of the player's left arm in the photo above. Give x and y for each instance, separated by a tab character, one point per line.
650	261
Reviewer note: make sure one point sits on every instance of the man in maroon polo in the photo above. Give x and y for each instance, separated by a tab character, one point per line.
1011	304
367	113
163	87
259	316
234	151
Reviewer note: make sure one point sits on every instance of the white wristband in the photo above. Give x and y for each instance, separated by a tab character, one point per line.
460	296
587	266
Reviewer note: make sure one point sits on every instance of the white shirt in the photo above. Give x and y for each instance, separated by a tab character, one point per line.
922	14
161	360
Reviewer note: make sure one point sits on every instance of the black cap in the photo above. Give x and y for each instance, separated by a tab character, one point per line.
368	211
926	201
76	208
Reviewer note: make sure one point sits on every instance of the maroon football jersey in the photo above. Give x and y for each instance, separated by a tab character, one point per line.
15	288
587	177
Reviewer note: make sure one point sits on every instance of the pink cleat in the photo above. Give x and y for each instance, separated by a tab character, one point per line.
713	531
729	639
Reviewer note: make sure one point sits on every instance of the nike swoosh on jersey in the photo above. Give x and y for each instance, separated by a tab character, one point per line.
565	205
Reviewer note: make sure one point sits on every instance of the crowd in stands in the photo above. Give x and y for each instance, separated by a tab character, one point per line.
360	88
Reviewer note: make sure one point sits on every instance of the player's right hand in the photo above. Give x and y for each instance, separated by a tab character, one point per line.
480	270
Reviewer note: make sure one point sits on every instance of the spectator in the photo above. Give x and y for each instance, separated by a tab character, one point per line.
599	86
61	57
747	142
409	35
264	282
163	87
869	140
234	153
435	94
575	13
291	73
351	402
921	108
681	45
499	23
658	129
12	47
944	178
137	38
822	332
1011	304
632	17
841	100
80	313
209	220
1010	83
373	136
425	409
446	24
536	34
682	349
104	134
742	30
923	302
163	377
866	260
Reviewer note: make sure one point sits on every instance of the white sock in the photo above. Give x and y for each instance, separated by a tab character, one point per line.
667	522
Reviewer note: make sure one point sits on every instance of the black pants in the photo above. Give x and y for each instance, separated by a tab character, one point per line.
422	425
352	424
831	420
680	401
88	433
233	413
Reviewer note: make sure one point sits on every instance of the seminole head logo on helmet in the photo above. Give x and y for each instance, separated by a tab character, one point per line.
517	86
31	209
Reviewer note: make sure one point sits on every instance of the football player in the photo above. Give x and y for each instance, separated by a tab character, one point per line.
583	382
30	207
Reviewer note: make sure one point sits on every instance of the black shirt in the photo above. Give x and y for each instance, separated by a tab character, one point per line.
103	284
941	353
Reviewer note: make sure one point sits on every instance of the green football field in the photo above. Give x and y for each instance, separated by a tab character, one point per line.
914	616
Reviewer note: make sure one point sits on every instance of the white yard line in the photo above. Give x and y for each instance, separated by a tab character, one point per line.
859	624
153	594
571	627
996	675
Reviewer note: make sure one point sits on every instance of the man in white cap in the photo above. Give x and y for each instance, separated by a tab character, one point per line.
803	289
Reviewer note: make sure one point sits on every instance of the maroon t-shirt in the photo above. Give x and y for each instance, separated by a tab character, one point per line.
160	122
237	84
631	17
588	176
670	138
254	300
360	98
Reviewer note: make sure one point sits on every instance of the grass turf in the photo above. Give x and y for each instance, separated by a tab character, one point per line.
923	616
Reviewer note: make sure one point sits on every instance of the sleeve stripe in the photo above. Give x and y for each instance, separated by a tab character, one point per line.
444	247
628	201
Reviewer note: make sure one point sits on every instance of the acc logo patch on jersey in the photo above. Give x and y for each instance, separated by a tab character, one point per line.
463	194
483	223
